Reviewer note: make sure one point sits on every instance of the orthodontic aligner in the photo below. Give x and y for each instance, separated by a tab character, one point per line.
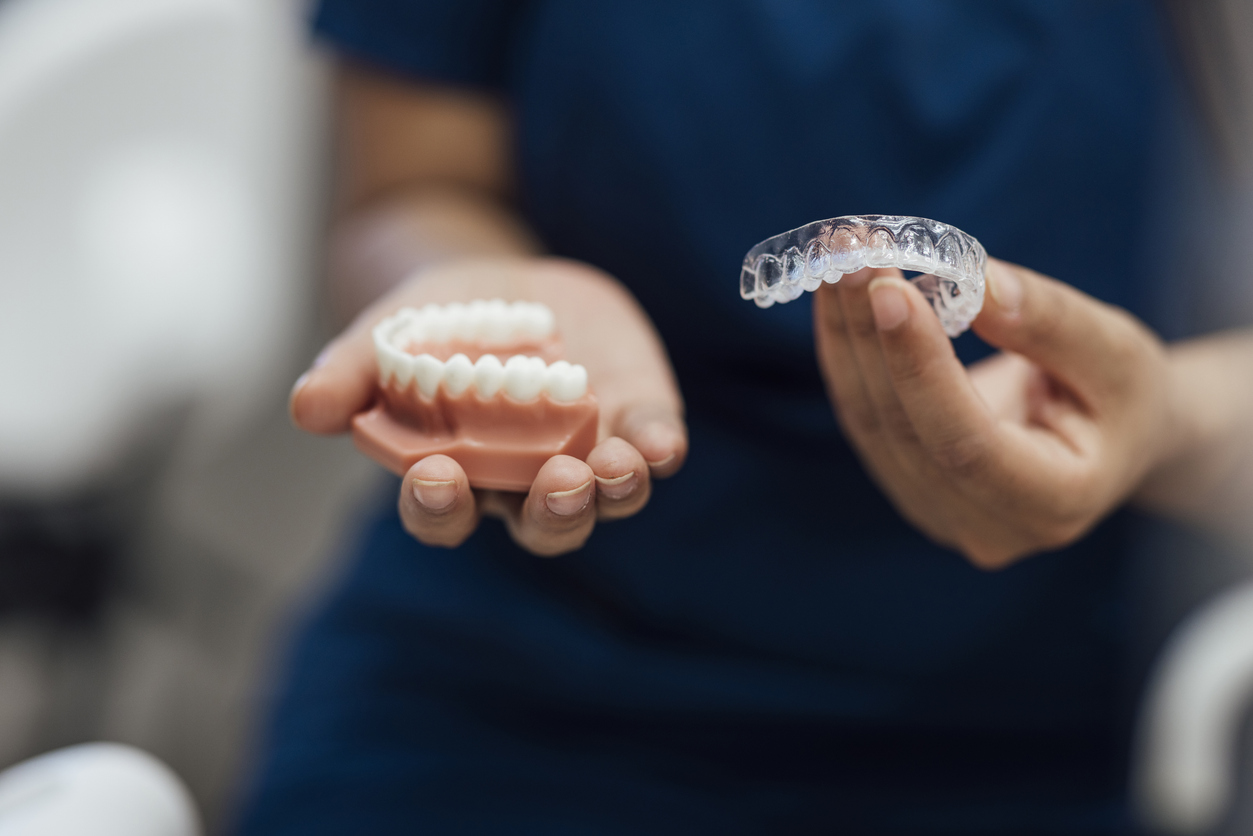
953	263
444	389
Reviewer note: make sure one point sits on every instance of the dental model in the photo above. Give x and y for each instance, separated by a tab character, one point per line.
953	263
445	389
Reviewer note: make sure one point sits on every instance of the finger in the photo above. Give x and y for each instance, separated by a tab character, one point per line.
559	511
622	479
657	430
911	485
863	336
436	504
952	423
838	363
340	384
1087	345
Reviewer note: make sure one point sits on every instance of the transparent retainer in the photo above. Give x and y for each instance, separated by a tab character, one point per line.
952	263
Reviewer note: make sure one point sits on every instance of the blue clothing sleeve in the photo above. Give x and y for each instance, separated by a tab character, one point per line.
461	42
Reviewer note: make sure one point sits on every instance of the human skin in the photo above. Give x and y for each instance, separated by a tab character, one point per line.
1083	410
425	217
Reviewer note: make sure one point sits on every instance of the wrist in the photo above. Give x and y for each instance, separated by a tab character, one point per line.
1209	409
378	247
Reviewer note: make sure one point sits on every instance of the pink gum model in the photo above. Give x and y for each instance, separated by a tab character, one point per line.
443	389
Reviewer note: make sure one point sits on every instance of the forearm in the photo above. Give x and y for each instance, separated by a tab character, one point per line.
1206	477
424	176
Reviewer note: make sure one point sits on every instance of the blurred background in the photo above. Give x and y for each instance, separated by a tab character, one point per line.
163	171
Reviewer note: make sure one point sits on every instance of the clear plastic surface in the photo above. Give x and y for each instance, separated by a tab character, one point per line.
952	263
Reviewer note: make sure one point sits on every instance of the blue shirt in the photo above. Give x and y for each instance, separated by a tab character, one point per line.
768	647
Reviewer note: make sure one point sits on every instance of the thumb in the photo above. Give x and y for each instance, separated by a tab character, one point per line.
657	430
1076	338
340	384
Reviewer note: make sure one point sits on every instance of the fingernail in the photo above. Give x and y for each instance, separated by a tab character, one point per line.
619	487
565	503
663	462
1006	288
434	496
318	362
300	384
888	303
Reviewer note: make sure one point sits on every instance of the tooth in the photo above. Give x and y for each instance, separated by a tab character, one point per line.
458	374
537	322
495	327
427	371
476	314
523	379
404	368
387	366
489	374
435	324
566	382
519	313
455	317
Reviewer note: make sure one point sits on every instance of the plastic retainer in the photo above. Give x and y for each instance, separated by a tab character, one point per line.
953	263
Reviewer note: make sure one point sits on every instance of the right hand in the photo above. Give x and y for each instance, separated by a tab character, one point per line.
642	434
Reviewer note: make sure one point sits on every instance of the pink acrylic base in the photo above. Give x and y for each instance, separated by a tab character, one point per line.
493	463
500	443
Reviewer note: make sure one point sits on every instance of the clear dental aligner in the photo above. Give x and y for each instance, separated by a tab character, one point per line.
443	388
953	263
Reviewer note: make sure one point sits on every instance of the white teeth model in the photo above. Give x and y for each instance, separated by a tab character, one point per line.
489	375
427	373
491	322
565	382
458	374
521	378
525	377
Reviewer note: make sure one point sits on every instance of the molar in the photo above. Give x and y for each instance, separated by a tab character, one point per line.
565	382
524	377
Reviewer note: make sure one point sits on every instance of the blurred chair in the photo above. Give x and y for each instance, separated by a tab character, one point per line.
1190	778
162	169
96	789
154	225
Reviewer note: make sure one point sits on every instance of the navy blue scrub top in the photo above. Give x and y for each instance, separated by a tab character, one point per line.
768	647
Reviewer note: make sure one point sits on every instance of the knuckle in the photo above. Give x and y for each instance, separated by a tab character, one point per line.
863	328
907	366
1127	345
899	426
963	456
1048	327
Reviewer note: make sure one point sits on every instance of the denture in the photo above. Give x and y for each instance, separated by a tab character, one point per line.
443	388
952	263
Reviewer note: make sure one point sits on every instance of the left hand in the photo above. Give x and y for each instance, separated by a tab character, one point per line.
1022	452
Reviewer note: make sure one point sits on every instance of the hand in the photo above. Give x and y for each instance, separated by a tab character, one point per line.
1022	452
642	434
